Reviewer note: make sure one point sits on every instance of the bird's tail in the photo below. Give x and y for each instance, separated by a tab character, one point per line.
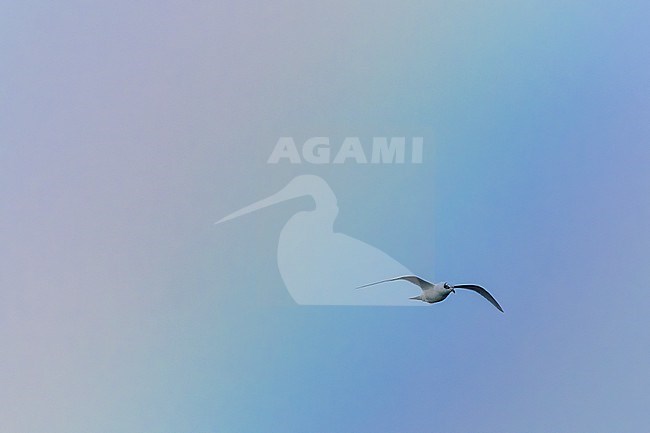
417	298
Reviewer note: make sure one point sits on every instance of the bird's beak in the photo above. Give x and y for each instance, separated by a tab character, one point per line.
278	197
453	290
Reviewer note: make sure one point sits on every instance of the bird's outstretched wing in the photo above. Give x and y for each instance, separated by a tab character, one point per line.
410	278
481	291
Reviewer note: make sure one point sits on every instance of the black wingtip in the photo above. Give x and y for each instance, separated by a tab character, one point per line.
482	291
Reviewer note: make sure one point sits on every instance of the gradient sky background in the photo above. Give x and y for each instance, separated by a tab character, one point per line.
128	128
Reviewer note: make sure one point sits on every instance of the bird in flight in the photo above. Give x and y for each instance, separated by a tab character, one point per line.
432	293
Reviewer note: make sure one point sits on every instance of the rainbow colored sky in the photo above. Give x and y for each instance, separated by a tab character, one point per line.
129	128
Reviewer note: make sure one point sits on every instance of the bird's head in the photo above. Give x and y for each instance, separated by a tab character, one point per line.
448	287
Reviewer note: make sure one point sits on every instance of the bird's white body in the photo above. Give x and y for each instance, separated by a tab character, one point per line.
433	293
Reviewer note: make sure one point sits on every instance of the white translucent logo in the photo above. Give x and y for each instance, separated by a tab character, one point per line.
322	267
319	150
